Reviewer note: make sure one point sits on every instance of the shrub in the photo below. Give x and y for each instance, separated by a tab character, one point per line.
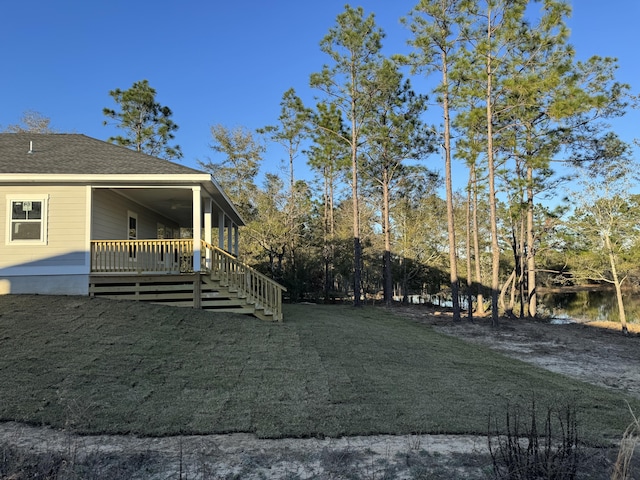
622	467
524	451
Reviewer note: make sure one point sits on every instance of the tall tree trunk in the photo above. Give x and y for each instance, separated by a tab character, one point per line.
327	243
357	247
521	270
405	281
453	260
476	248
332	235
503	292
495	248
468	253
617	284
386	267
532	297
512	297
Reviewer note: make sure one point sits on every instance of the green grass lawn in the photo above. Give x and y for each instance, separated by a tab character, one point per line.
98	366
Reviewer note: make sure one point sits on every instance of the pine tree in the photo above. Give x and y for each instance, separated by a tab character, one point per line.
354	45
395	133
147	124
437	26
328	156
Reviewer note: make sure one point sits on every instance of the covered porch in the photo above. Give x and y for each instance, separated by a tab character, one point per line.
171	212
180	246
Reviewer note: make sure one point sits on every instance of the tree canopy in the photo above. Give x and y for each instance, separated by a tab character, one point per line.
147	125
519	111
32	121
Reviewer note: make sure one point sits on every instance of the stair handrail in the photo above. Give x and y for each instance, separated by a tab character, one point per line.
258	289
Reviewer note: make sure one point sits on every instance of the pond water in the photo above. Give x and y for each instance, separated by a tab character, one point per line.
584	305
598	305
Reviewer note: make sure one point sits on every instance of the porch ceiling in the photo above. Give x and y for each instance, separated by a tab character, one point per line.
175	204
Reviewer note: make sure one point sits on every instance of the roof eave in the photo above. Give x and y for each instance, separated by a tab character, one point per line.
166	178
203	179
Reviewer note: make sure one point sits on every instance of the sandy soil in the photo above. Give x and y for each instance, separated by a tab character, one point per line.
597	355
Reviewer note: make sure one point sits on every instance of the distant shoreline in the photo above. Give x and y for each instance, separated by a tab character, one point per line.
575	288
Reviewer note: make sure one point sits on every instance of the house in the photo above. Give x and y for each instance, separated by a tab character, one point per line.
79	216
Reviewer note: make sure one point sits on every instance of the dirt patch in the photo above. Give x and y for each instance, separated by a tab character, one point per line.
243	456
597	353
600	356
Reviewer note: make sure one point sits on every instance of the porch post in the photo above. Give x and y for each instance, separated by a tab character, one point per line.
230	237
197	227
221	225
207	228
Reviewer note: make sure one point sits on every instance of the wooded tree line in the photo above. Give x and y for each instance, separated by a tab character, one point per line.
516	108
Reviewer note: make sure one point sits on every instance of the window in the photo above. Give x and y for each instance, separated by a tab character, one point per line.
133	226
133	234
27	220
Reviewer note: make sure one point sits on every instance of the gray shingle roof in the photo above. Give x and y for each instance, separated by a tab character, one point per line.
72	154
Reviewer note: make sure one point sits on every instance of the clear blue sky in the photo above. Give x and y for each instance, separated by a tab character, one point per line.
214	61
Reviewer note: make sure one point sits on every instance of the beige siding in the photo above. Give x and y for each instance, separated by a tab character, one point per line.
66	236
110	217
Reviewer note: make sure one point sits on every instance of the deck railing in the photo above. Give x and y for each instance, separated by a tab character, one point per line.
257	288
176	256
142	256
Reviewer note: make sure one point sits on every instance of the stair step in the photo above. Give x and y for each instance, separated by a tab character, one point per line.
217	292
224	302
243	311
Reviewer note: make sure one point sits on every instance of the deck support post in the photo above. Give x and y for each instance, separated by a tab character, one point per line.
197	291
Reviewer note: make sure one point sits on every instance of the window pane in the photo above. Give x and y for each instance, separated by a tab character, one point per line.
17	212
36	211
25	230
133	228
22	210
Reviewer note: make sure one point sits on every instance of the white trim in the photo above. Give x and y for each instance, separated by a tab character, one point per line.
99	178
88	224
44	198
138	186
207	219
197	226
208	204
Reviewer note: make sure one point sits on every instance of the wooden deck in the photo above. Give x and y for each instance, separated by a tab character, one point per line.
162	271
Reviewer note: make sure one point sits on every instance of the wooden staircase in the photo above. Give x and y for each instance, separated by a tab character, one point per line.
226	274
224	284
